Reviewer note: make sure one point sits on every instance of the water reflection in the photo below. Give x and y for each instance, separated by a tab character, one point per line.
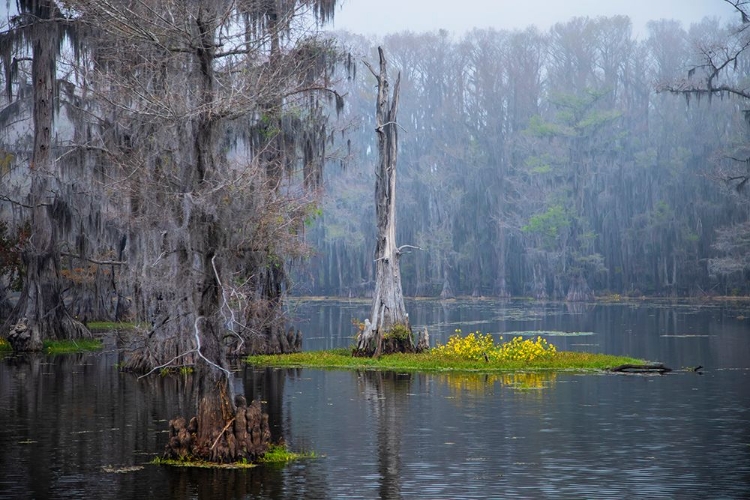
487	383
209	484
679	334
386	393
69	421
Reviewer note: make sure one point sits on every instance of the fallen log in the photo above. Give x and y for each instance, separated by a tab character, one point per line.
647	368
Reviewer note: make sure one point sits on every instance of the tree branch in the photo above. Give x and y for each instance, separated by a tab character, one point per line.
398	250
18	203
95	261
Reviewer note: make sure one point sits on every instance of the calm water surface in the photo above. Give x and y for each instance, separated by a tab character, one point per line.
74	427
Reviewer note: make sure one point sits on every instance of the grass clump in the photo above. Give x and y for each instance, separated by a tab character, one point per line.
279	454
473	353
105	326
202	464
70	346
61	346
276	454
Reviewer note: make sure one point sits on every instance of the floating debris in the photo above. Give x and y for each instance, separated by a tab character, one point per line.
121	470
549	333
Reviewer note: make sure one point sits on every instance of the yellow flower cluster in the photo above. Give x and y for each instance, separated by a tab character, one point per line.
477	346
472	347
527	350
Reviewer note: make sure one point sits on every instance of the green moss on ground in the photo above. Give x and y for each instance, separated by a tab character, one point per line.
61	346
105	326
70	346
342	359
276	454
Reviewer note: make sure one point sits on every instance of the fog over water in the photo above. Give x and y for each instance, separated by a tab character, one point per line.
389	16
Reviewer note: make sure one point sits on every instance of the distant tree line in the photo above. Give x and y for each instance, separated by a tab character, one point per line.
548	165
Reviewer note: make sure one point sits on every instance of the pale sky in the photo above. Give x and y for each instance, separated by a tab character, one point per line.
379	17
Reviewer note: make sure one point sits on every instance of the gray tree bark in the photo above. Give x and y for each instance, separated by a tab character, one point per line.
40	313
388	329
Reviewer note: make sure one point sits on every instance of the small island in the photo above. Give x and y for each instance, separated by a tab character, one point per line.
475	352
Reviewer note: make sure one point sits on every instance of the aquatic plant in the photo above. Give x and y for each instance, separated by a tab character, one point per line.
474	347
280	454
431	361
520	349
70	346
477	346
276	454
104	326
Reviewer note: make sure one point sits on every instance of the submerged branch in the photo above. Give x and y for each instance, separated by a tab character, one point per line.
645	368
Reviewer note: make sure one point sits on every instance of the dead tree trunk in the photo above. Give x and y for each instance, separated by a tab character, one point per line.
388	329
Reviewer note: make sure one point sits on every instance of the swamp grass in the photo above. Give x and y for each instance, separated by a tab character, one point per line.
105	326
61	346
70	346
277	454
342	359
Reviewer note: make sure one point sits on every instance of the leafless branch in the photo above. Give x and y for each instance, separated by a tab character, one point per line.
24	205
398	250
95	261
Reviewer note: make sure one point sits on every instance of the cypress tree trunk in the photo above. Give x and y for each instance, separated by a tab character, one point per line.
224	429
40	312
388	329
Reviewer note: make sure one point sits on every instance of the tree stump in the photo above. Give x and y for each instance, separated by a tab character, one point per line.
247	436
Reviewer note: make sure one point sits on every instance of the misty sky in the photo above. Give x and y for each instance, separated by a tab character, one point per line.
388	16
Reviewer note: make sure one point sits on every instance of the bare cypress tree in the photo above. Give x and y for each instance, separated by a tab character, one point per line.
198	102
388	329
716	74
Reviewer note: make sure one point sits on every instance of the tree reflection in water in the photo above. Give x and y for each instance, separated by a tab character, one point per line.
385	393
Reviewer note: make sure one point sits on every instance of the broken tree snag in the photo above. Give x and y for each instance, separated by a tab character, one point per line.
388	329
647	368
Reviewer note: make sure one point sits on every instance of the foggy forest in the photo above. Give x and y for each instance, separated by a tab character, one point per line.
566	164
549	165
188	166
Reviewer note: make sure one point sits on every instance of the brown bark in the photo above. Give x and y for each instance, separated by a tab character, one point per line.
211	433
245	436
388	329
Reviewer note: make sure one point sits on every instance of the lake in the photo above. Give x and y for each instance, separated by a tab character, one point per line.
75	427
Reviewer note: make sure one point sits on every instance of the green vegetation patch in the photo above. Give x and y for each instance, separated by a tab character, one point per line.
105	326
279	454
342	359
475	352
69	346
61	346
276	454
202	464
